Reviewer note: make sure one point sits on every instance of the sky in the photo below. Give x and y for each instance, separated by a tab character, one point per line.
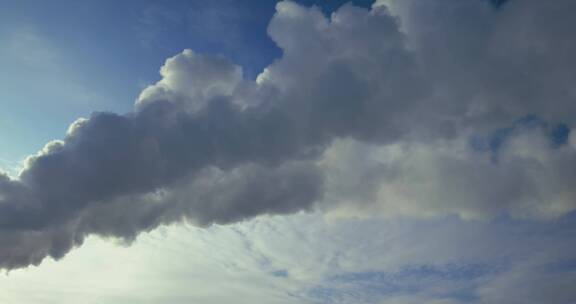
98	55
385	152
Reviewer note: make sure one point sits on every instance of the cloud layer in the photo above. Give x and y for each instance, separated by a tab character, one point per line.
436	108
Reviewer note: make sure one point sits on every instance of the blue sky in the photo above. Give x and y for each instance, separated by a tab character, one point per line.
98	55
287	152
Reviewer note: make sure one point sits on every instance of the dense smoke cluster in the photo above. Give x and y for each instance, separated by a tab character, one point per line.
412	108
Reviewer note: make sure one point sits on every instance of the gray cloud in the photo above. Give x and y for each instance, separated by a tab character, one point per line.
207	146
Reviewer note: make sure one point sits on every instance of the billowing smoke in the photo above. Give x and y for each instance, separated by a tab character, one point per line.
432	108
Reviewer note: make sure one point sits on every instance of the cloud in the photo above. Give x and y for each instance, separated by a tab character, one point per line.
496	72
416	95
194	79
405	261
192	125
494	65
446	260
527	176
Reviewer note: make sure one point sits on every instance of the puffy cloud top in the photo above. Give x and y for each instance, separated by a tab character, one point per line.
438	108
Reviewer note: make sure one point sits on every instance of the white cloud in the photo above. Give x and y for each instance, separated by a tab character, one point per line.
194	80
526	178
306	258
419	131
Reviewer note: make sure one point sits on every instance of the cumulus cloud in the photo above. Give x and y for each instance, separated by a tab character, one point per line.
525	176
193	79
365	111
